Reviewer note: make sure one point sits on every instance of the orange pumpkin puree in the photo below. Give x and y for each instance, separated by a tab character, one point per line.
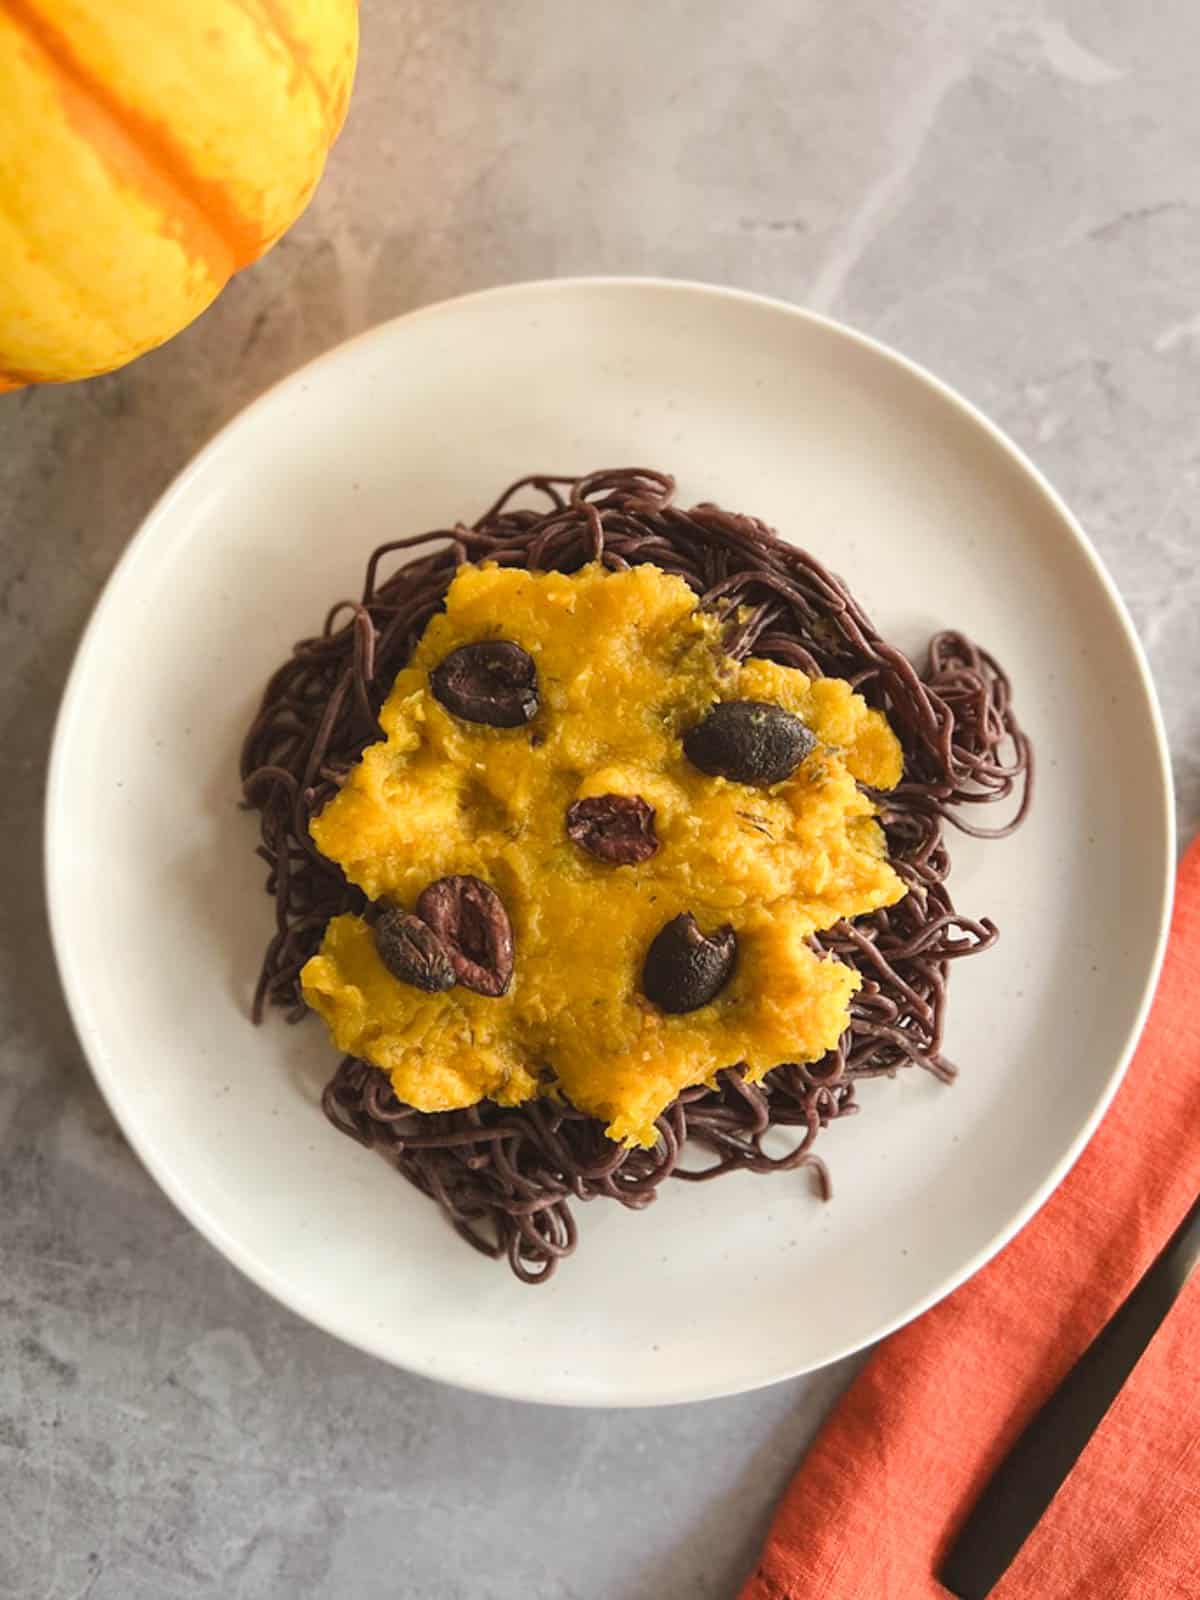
626	663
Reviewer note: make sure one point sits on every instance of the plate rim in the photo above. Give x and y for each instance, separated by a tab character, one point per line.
262	1273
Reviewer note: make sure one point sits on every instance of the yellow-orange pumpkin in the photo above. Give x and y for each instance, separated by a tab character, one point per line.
148	150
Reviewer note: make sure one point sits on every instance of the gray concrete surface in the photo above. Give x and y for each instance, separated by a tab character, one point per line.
1008	190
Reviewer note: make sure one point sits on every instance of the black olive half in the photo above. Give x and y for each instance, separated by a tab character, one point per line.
493	682
685	970
615	828
750	741
412	952
469	919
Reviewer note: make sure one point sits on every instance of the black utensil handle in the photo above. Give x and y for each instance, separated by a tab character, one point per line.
1034	1469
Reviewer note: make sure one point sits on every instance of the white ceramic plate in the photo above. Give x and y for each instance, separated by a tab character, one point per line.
159	914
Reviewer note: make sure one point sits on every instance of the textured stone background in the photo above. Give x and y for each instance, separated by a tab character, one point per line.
1005	189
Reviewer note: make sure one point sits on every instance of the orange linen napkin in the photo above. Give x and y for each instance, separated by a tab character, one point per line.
907	1451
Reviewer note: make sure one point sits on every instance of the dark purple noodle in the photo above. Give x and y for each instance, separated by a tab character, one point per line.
505	1177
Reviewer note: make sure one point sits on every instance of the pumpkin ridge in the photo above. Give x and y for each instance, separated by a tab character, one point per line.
18	377
270	13
204	204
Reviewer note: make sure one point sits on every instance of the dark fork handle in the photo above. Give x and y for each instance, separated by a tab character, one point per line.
1034	1470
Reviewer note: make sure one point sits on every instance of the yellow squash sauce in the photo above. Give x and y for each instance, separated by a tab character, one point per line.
626	664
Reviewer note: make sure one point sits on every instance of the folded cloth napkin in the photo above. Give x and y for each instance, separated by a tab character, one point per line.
906	1453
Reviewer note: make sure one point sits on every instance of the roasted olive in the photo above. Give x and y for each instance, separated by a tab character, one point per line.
617	828
685	970
750	741
494	682
412	952
469	919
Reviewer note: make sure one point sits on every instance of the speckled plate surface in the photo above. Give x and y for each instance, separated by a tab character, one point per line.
159	916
